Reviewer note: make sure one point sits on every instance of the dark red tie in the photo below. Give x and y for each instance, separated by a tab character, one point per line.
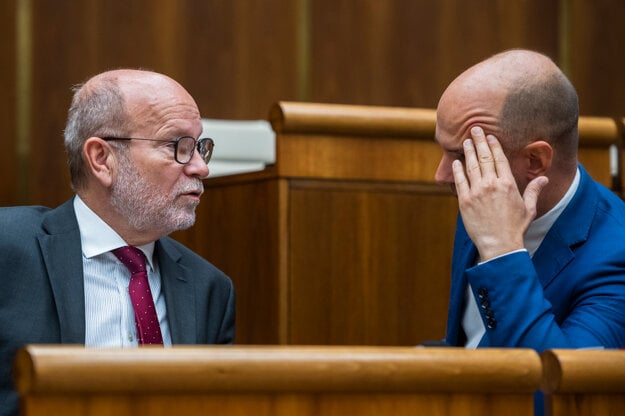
148	329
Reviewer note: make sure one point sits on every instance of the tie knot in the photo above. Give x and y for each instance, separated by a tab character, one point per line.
132	257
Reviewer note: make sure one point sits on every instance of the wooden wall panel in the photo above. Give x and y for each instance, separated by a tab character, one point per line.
61	58
9	172
241	55
236	58
595	41
404	53
370	263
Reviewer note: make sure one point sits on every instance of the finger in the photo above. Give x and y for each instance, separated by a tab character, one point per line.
471	164
483	152
532	191
460	179
502	166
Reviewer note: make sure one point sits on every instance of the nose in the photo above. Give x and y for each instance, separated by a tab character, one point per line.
444	175
196	166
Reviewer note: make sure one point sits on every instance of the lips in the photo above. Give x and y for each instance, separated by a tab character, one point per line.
197	193
194	189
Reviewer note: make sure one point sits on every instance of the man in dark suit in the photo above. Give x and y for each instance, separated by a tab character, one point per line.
539	251
137	163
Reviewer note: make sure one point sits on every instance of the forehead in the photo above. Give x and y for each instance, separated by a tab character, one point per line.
458	111
167	111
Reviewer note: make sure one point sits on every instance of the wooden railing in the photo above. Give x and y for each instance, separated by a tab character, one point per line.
317	380
584	382
279	381
597	135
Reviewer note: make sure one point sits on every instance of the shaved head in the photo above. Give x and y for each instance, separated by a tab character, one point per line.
520	96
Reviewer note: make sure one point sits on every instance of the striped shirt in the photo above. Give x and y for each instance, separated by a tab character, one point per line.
109	316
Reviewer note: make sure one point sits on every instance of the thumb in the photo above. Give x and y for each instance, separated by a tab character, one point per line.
533	189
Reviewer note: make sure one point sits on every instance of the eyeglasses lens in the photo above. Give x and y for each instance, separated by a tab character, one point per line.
185	149
205	147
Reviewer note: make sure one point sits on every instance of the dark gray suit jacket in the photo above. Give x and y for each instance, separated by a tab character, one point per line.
42	298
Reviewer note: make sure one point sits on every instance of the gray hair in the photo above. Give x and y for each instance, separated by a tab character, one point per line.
97	110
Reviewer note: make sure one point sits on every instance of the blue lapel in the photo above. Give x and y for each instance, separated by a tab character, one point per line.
464	255
179	293
62	256
570	229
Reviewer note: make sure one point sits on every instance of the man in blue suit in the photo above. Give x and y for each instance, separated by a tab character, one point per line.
539	251
136	163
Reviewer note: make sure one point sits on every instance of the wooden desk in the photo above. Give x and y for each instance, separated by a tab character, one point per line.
278	381
584	382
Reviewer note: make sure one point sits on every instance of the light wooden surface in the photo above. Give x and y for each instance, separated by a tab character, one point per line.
584	382
302	117
355	142
262	380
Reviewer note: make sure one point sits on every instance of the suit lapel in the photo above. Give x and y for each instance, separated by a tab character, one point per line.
464	257
62	255
555	252
179	294
551	257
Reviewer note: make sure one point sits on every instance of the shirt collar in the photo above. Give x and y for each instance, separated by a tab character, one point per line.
97	237
539	228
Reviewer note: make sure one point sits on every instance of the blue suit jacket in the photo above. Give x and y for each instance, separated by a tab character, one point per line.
571	294
42	298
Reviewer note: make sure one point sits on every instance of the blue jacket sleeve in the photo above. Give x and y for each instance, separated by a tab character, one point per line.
586	306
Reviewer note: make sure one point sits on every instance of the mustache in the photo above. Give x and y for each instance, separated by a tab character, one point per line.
196	186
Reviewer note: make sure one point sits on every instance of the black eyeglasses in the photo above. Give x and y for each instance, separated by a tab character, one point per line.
183	147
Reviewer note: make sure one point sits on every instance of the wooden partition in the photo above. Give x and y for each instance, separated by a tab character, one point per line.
601	143
584	382
277	381
346	239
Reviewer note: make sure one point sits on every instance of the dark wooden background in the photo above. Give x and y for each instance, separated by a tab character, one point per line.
238	57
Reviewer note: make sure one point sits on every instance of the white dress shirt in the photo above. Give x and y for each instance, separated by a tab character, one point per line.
109	316
472	322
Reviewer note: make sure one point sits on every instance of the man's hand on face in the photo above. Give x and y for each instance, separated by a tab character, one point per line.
494	213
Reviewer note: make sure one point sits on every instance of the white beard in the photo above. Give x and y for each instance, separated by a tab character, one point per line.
145	207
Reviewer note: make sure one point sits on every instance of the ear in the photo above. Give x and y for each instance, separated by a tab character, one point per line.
539	156
100	160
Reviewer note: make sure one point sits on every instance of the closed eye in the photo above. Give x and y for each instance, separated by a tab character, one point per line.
456	155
